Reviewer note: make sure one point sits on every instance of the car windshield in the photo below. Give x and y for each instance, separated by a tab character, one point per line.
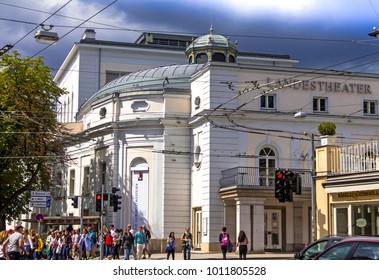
339	252
315	249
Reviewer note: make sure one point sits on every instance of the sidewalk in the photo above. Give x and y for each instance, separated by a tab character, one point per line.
218	256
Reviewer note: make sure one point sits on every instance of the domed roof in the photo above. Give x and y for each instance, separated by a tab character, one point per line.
212	40
149	78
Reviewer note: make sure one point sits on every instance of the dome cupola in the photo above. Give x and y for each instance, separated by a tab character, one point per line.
211	47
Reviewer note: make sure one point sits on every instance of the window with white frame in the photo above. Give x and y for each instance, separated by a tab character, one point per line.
268	101
72	182
320	104
86	182
370	107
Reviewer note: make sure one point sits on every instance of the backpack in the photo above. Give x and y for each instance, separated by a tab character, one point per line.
225	239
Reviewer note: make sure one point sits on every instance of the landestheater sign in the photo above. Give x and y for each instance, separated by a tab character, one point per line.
328	86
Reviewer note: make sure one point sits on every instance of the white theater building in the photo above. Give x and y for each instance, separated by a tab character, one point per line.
192	134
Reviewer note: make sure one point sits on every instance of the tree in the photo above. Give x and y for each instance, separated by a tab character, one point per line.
30	136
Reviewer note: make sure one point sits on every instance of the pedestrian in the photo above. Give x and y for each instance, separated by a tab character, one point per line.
170	247
127	243
93	242
186	243
224	240
117	240
3	249
108	241
28	246
148	236
242	244
39	248
133	250
34	245
139	242
75	244
15	244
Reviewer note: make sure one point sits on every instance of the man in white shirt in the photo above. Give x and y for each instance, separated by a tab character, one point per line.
15	244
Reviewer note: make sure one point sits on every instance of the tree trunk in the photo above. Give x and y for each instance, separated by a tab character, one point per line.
2	223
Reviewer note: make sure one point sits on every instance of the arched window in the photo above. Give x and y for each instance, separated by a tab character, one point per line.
201	58
218	57
267	164
232	58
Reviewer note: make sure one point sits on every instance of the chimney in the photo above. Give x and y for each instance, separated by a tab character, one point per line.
89	34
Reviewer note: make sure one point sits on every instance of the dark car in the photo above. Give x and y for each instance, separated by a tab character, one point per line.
354	248
317	247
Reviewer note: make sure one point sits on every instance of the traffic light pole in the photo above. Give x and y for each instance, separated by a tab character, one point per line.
313	191
101	224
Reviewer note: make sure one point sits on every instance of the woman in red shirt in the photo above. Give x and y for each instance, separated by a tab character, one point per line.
108	241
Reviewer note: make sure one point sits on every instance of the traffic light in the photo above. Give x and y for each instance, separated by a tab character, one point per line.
98	202
114	190
295	183
105	197
115	202
75	201
280	182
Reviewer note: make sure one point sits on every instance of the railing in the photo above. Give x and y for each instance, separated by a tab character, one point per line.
258	177
355	158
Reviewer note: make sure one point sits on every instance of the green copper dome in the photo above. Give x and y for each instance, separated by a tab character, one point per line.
211	47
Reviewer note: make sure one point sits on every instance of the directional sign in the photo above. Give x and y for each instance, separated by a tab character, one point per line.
39	198
39	193
43	204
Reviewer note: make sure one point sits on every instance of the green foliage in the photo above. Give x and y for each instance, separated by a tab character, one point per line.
327	128
30	135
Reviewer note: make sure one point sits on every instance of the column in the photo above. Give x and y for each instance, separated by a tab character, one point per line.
243	220
258	226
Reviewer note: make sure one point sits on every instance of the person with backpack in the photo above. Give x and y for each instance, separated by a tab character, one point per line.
224	242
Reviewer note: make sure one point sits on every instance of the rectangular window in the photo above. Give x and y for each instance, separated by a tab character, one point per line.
320	104
103	170
369	107
86	182
72	182
268	101
112	75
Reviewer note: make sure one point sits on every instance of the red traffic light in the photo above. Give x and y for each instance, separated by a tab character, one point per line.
279	175
98	196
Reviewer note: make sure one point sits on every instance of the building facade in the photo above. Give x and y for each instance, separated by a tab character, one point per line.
197	142
348	189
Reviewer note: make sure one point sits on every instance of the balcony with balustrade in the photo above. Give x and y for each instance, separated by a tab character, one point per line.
256	181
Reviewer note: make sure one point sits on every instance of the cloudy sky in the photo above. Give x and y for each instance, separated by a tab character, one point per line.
319	33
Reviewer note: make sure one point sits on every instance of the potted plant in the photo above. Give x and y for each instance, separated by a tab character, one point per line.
327	131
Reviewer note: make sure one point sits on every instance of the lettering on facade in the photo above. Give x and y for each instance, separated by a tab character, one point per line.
358	193
324	86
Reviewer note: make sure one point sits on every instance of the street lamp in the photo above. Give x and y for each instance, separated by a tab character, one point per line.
46	36
374	33
302	115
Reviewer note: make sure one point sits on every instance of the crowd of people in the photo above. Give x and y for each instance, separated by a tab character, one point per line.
71	244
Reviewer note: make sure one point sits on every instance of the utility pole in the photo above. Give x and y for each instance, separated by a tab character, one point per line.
102	223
